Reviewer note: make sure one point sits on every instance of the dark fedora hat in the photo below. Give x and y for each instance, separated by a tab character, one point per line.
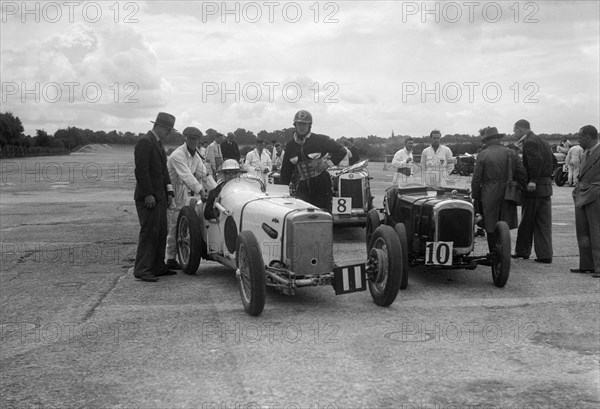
192	132
166	120
492	132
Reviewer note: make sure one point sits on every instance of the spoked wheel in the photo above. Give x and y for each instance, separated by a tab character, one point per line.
401	232
501	257
370	226
385	256
251	273
560	177
188	237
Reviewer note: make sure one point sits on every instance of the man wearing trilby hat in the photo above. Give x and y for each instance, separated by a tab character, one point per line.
153	194
489	183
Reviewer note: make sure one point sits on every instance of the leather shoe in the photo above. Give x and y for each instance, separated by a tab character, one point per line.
173	264
519	256
165	272
149	279
580	270
543	260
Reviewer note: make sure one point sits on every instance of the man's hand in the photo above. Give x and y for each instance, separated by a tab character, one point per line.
531	187
408	160
149	201
169	201
266	170
203	195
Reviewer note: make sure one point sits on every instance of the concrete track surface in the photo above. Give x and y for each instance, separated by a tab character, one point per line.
78	331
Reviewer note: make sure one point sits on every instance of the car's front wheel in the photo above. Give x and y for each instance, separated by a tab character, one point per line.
501	255
188	236
385	260
251	273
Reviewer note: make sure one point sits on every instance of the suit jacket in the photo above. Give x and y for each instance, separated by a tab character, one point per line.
538	160
588	189
151	174
489	184
230	150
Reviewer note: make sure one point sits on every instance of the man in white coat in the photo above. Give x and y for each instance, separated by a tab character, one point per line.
258	161
437	161
402	162
214	155
188	175
573	161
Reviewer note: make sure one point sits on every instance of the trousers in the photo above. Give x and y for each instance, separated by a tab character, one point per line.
150	256
535	227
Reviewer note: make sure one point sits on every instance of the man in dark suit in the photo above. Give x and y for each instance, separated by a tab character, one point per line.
536	215
153	194
587	204
489	183
230	148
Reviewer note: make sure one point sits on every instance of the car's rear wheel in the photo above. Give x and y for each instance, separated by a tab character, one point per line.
560	177
188	236
401	232
251	273
371	224
385	257
501	255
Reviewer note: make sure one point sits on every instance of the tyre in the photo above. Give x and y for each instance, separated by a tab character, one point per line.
560	177
385	253
251	273
371	224
401	232
501	255
188	236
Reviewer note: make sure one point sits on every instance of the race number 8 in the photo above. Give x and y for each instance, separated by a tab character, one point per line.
438	253
341	205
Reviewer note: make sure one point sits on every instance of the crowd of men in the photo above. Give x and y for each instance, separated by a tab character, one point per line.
164	184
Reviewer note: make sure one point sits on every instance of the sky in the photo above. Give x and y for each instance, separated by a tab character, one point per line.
360	67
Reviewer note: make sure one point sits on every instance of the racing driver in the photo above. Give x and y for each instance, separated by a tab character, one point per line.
307	157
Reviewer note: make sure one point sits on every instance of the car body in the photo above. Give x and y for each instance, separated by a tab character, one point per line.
275	240
465	165
436	226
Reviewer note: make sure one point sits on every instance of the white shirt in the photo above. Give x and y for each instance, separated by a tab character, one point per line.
346	161
400	161
187	173
574	155
441	159
257	163
277	159
213	151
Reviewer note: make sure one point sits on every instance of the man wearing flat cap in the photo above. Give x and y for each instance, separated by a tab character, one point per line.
153	194
535	228
489	183
189	176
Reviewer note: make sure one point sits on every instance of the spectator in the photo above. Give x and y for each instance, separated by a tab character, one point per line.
573	161
489	184
536	215
563	146
258	161
230	148
402	161
587	204
214	155
277	156
355	157
437	161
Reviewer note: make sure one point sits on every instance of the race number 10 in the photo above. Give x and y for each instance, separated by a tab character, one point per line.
341	205
439	253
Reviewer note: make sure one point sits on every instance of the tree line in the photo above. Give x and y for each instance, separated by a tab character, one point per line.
370	147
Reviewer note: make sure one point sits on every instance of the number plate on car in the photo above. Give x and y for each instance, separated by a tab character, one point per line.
438	253
349	279
341	205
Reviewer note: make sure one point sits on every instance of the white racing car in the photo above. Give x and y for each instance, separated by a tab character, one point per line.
275	240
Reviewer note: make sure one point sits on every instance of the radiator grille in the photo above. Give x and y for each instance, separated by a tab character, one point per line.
352	188
455	225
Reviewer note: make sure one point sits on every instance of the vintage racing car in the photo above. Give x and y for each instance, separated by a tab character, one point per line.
275	240
351	190
436	228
